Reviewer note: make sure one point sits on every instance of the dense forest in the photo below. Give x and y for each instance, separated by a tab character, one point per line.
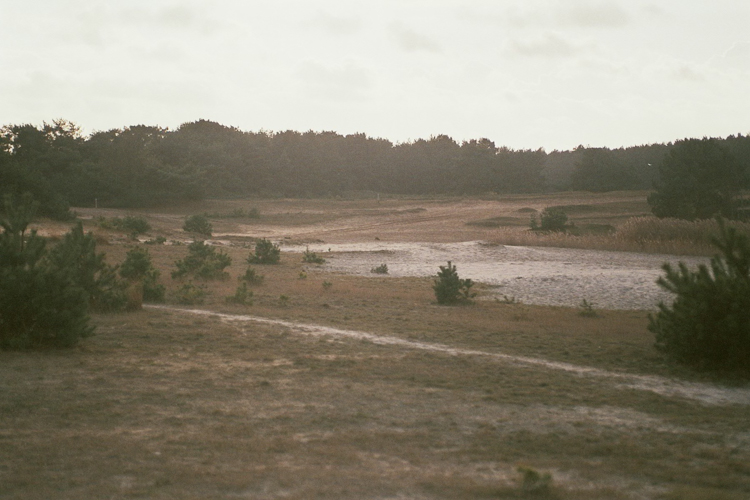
146	165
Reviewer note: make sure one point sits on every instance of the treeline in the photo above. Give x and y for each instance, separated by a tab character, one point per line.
144	165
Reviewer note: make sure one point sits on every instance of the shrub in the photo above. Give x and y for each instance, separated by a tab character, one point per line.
587	309
241	296
708	324
381	269
312	258
138	268
534	483
252	277
552	219
40	305
189	294
449	288
204	262
198	224
265	253
76	256
134	225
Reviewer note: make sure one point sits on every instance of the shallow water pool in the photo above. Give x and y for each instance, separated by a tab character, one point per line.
532	275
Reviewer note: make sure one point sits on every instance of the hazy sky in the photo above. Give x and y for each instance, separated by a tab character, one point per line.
523	73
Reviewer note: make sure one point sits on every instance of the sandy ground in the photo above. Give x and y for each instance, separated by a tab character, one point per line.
364	388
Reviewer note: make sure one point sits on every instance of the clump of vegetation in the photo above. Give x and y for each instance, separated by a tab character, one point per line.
312	257
242	295
381	269
134	225
76	255
266	252
283	300
552	219
327	285
40	304
534	483
587	309
190	294
139	269
449	288
708	324
203	262
252	277
698	179
198	224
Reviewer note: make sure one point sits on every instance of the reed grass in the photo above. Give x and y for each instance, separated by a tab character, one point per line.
637	234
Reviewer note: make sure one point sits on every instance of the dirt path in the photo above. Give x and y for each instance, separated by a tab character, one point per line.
706	394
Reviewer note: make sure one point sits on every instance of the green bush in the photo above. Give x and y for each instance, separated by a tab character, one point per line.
204	262
76	256
40	305
266	252
449	288
189	294
241	296
552	219
198	224
311	257
252	277
134	225
138	267
708	324
381	269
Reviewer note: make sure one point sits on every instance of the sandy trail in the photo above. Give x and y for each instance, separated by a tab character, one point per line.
706	394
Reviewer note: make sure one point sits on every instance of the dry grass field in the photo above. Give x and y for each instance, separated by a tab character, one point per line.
365	388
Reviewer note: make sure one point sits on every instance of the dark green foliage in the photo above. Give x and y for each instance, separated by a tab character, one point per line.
381	269
312	257
266	252
198	224
242	295
708	324
189	294
449	288
146	166
76	256
138	267
40	304
203	262
252	277
552	219
599	169
134	225
699	179
534	483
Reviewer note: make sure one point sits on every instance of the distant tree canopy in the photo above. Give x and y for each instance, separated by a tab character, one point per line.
144	165
699	179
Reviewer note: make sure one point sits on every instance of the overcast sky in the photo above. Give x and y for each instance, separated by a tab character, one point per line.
523	73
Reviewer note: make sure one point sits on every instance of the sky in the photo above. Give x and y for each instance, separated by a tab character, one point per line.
526	74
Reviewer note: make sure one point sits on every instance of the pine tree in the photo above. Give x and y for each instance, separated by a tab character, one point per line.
708	324
40	304
449	288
